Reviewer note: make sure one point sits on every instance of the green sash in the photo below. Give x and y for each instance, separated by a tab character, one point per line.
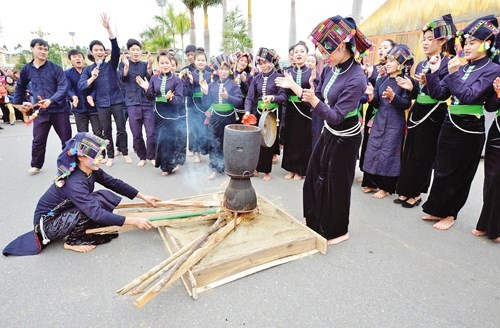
426	100
223	107
263	106
476	110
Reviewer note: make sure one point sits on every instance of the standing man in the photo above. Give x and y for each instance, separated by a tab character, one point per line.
139	108
101	77
49	85
84	112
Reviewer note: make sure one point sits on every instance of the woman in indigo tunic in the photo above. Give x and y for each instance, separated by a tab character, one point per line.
222	97
297	137
265	95
426	115
383	152
462	135
330	174
243	77
166	89
71	206
197	129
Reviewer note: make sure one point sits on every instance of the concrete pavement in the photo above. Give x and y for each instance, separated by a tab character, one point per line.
395	271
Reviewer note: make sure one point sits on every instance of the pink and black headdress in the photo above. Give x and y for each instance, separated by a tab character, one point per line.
221	60
403	55
441	27
481	29
336	30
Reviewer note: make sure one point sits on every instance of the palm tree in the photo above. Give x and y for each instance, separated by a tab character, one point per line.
249	22
191	6
154	39
169	23
224	11
292	36
183	25
206	31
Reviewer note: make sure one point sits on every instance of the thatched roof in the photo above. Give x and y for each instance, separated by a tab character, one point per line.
409	15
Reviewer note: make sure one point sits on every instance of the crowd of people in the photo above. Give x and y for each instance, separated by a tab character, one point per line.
410	132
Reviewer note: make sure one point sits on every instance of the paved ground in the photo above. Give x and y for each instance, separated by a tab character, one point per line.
396	271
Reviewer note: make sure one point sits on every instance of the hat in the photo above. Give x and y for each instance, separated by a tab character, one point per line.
336	30
442	27
82	144
239	54
480	29
268	54
402	54
220	60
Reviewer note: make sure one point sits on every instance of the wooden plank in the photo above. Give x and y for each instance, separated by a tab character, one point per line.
210	273
253	270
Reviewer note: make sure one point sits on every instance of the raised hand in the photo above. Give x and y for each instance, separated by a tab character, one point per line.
404	83
105	20
369	90
286	81
224	94
388	94
309	95
434	63
203	85
124	60
243	77
190	77
421	78
369	69
150	59
143	83
453	65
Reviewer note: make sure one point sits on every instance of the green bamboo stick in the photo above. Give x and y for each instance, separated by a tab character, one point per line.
185	215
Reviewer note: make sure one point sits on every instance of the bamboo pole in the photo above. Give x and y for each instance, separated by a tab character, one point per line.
170	203
137	281
159	221
191	258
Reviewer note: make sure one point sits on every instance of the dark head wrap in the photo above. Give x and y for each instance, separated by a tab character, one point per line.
442	27
403	55
220	60
268	54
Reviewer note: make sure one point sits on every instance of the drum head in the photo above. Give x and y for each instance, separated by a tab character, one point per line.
269	128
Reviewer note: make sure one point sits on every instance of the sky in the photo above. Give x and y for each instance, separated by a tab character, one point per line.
130	18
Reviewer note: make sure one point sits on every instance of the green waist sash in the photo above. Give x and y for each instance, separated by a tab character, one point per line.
426	100
353	113
263	106
466	110
197	95
223	107
294	99
161	99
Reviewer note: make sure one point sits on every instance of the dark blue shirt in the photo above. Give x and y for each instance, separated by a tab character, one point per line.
107	90
73	76
77	192
47	81
134	94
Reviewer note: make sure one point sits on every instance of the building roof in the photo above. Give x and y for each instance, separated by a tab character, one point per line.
409	15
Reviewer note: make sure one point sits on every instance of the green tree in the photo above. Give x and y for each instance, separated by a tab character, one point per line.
154	39
21	61
206	31
191	6
235	34
183	25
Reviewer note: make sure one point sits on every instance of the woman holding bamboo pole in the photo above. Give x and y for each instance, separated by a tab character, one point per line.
70	206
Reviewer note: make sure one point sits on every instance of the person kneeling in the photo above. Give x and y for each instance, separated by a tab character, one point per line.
75	207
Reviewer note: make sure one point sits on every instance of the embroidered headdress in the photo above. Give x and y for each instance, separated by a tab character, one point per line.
336	30
268	54
221	60
442	27
82	144
402	54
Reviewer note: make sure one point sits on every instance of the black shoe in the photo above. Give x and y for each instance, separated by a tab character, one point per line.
399	201
408	205
1	128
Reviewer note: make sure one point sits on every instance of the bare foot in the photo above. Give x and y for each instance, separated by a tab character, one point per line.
79	248
380	194
164	174
266	177
445	223
337	240
431	218
118	153
297	177
212	176
176	168
289	176
141	163
109	162
127	158
368	190
190	154
497	240
256	174
478	233
34	170
359	180
153	162
275	159
197	158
